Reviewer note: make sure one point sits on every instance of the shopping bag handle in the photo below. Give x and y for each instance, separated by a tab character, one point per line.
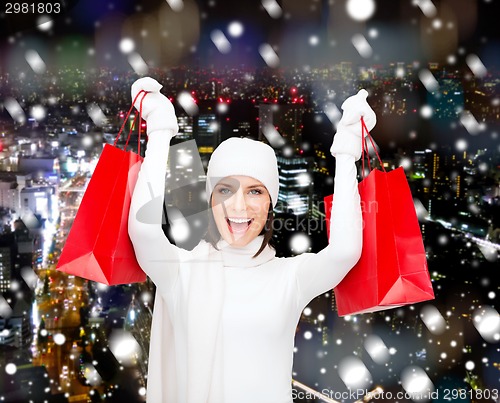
364	130
133	123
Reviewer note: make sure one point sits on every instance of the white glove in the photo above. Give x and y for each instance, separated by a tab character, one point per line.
347	140
157	110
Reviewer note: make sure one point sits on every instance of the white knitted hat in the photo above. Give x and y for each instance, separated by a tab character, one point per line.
242	156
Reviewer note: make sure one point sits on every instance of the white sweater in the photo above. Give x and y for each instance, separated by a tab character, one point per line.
248	356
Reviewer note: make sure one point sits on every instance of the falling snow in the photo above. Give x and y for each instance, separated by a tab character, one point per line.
269	55
426	111
44	23
220	41
35	61
137	63
15	110
470	123
354	373
416	382
417	348
38	112
127	45
476	65
273	136
235	29
187	102
96	114
360	10
428	80
273	8
362	46
427	7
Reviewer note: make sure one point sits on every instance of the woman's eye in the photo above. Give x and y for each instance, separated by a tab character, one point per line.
224	191
256	191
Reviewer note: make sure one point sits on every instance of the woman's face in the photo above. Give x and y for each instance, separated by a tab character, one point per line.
240	205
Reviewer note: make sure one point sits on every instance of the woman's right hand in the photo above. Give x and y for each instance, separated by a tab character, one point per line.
157	110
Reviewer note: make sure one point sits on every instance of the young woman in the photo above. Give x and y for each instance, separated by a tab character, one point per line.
225	313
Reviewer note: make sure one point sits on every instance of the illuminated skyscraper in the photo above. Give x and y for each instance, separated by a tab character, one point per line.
296	185
185	127
286	118
206	133
5	268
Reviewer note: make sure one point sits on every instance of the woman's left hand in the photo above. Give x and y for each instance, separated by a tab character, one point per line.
356	107
347	140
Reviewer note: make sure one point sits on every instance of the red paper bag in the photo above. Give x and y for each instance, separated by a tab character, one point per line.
392	270
98	247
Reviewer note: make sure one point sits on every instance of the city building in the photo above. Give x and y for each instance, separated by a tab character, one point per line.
10	185
243	129
207	133
450	184
38	164
7	254
185	202
20	321
138	323
9	194
287	119
37	200
185	126
296	185
16	328
420	174
7	335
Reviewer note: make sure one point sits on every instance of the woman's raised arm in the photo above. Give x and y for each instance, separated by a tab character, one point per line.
322	271
155	254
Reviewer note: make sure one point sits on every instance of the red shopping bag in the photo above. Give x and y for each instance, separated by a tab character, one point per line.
392	270
98	247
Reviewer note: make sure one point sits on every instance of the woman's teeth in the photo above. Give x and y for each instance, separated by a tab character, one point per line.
239	225
239	220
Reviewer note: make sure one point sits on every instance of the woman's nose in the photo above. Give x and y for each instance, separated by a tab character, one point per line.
238	201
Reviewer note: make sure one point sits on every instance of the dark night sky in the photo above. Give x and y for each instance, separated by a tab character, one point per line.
404	33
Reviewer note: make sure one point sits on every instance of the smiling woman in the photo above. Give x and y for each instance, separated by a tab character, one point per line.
225	313
240	206
242	193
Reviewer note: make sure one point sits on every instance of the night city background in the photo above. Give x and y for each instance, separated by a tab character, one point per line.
277	71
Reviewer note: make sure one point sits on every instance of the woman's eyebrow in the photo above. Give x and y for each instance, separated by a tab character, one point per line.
231	185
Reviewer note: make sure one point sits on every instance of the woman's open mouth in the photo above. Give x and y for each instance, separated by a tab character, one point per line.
238	225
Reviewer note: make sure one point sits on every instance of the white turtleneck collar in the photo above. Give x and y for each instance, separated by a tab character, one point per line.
243	256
